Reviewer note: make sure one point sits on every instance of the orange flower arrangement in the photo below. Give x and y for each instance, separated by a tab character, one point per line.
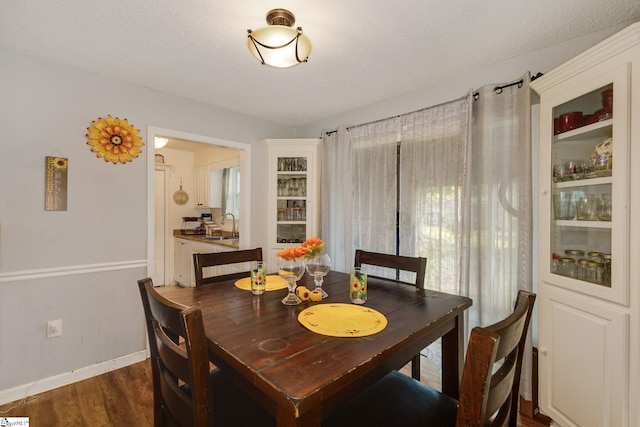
315	245
293	252
308	249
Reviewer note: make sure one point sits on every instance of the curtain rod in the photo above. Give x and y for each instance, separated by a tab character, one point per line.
476	95
329	132
498	89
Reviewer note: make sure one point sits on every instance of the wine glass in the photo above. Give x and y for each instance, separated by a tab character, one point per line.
291	270
318	267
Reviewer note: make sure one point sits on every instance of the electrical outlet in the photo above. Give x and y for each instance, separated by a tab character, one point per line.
54	328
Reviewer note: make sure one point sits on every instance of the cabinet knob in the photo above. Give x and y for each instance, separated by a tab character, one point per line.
542	351
543	192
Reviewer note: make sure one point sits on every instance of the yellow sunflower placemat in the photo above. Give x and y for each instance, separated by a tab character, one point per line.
342	320
274	283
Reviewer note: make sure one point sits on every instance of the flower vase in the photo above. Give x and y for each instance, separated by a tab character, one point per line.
318	267
291	270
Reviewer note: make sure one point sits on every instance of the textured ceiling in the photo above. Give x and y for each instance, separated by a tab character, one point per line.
364	51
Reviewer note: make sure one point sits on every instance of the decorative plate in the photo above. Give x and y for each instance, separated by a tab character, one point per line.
342	320
274	283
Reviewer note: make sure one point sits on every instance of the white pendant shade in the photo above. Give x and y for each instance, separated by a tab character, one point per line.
279	46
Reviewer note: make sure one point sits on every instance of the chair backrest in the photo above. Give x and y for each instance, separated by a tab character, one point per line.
488	397
182	390
417	265
202	261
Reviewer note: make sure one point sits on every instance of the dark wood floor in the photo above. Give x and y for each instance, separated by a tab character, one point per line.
123	398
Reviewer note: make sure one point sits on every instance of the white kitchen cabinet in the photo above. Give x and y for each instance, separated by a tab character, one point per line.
202	187
589	340
293	205
208	187
215	188
182	265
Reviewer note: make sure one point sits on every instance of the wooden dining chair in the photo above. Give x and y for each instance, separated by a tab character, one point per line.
487	398
186	392
417	265
202	261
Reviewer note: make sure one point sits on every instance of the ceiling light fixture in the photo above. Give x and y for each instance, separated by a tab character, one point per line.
159	142
279	44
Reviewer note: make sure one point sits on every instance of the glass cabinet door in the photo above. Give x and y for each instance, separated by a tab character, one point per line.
589	190
292	200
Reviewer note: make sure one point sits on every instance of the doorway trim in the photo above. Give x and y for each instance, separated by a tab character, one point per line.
245	173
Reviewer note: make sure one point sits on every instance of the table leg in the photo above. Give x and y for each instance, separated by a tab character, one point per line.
453	358
311	418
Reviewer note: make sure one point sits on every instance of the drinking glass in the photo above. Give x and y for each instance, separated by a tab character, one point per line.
258	278
586	207
291	270
563	205
318	267
358	285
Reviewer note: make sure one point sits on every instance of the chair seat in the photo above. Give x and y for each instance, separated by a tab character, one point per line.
396	400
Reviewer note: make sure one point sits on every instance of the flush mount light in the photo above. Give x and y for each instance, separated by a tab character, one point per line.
279	44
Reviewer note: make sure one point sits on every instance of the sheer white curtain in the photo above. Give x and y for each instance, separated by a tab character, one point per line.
433	177
496	259
336	195
464	199
375	188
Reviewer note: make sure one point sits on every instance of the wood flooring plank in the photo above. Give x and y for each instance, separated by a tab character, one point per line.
124	397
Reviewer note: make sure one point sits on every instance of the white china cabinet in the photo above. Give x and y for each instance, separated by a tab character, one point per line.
293	204
589	229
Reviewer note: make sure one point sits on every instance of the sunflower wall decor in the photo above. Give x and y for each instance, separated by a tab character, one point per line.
114	140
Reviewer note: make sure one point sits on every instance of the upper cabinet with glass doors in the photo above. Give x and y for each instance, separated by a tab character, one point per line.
293	205
585	184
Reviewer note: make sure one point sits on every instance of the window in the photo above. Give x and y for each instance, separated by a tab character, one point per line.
231	190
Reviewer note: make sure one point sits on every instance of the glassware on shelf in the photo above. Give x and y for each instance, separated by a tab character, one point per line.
604	210
563	205
319	267
594	272
291	270
586	207
606	269
567	267
581	269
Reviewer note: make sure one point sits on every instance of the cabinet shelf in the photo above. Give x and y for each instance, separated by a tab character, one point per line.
584	182
596	130
582	224
293	173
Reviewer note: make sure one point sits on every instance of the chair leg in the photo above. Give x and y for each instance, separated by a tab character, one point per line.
415	367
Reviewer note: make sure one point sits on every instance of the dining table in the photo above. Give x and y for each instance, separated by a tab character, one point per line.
301	376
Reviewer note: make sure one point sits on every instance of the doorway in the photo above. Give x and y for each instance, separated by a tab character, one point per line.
160	244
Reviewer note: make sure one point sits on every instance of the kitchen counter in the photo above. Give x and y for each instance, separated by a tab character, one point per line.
226	241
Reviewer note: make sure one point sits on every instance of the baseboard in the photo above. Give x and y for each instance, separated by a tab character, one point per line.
530	408
46	384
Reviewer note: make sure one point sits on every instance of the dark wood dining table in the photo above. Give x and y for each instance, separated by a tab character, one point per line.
300	376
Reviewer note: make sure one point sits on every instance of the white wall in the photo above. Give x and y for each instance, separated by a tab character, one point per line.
80	265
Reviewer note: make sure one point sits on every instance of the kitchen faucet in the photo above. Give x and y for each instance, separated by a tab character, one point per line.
234	231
